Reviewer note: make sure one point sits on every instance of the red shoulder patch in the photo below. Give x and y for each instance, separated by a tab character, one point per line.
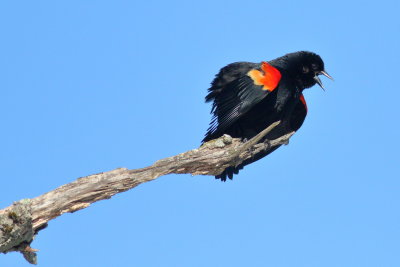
268	78
303	100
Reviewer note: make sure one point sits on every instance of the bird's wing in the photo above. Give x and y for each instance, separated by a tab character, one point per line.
236	89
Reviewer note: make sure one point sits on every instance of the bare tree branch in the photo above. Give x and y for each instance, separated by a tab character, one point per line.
20	222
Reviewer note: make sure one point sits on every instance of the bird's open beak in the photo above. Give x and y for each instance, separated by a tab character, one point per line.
318	80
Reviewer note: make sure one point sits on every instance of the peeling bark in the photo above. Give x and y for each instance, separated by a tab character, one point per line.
20	222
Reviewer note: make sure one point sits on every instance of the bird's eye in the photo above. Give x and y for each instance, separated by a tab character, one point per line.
314	66
305	69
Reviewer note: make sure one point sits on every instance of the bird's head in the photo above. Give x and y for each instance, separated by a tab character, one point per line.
305	67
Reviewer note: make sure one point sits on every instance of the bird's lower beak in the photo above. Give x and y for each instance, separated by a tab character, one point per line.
318	80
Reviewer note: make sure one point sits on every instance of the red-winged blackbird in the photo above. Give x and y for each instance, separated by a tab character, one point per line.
248	97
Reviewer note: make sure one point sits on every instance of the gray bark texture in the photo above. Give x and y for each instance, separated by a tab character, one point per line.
20	222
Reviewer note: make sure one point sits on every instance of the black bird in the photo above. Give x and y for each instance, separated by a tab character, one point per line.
248	97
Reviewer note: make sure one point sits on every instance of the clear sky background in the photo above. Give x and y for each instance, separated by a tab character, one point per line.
89	86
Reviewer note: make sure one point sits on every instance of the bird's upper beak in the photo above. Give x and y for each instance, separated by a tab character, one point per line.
318	80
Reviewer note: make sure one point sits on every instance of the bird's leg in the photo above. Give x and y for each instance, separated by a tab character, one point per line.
286	142
250	143
247	145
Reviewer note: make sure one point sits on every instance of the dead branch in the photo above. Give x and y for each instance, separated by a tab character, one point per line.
20	222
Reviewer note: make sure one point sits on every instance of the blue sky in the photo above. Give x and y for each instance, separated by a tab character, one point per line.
89	86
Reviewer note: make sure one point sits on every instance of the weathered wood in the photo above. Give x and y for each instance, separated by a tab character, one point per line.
24	219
